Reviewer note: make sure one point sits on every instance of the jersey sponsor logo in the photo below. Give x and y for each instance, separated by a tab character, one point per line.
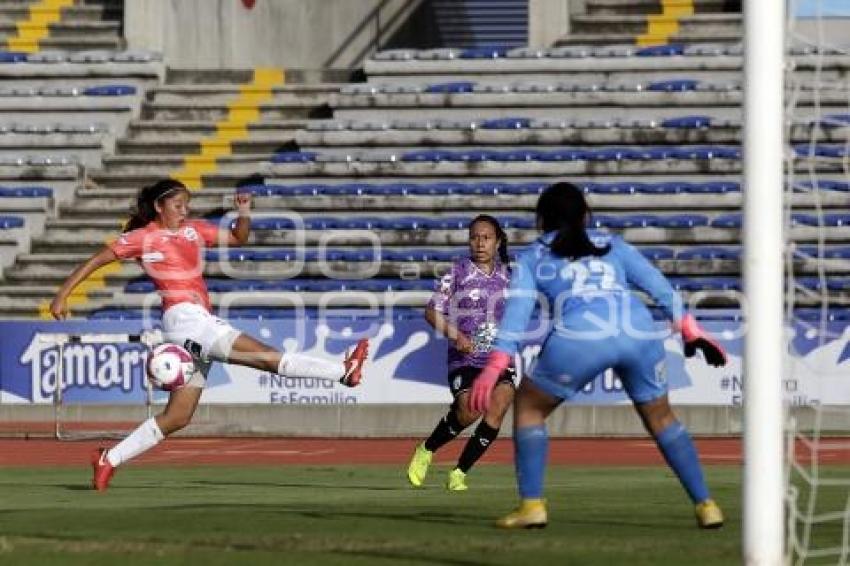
190	233
153	257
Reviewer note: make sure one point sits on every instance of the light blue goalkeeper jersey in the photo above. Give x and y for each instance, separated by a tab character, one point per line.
588	297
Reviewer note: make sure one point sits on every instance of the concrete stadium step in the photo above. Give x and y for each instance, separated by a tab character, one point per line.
69	235
540	137
694	36
177	76
181	131
66	29
19	11
611	7
89	202
257	145
204	112
221	94
79	43
245	164
705	25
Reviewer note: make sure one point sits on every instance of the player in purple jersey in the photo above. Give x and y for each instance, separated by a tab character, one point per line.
465	308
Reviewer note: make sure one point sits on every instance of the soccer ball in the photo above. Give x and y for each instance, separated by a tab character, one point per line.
170	367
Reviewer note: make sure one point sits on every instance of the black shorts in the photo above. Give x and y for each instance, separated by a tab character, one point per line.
461	379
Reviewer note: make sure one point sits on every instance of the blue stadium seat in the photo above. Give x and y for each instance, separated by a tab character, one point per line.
506	123
141	286
836	219
638	220
661	50
429	155
604	221
272	223
820	150
713	187
26	192
451	222
838	284
12	57
286	190
489	188
706	152
517	222
110	90
709	253
484	52
444	188
347	189
733	220
682	221
364	223
834	121
322	223
661	188
294	157
565	154
399	189
657	253
678	85
839	252
724	283
824	185
529	188
451	87
689	122
9	222
622	188
801	219
411	223
472	155
521	154
228	254
615	154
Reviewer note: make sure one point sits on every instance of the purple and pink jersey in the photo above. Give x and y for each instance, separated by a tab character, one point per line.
473	301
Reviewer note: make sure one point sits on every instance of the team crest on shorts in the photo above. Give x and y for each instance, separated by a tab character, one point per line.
661	372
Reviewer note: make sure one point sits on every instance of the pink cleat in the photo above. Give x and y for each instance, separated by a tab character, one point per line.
354	364
102	470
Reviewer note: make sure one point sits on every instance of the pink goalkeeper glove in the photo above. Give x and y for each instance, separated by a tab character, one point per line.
696	338
482	387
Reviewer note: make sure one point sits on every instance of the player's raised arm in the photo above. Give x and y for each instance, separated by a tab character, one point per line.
641	273
241	230
59	305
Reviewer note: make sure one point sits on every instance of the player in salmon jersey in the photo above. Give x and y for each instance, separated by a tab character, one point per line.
170	247
466	308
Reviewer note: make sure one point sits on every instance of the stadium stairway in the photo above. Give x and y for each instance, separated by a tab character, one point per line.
79	25
653	22
652	134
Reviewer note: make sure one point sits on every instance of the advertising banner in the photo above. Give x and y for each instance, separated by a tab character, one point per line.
407	365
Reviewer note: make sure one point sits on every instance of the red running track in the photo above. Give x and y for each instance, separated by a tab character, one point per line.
324	451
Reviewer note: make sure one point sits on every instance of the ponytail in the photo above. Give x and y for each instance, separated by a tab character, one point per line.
144	212
562	208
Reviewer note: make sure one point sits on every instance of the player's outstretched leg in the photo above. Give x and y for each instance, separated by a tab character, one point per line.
678	449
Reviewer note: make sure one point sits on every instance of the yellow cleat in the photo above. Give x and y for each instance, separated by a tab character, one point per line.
531	514
709	515
418	467
456	481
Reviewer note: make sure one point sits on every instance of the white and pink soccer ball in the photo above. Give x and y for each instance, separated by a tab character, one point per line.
170	367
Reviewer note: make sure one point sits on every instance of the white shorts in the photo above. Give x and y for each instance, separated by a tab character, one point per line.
207	337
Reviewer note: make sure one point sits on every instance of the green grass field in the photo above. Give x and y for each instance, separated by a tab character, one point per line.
355	515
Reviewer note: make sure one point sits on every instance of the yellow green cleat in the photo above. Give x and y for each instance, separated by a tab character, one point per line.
531	514
709	515
418	467
456	481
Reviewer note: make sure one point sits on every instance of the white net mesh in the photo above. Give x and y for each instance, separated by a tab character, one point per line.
817	203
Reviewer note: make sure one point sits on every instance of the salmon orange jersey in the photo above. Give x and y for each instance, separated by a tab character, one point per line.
173	260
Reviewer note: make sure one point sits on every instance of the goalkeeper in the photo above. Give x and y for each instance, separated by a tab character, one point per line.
597	324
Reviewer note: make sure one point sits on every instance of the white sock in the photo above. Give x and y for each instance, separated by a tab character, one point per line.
300	365
146	436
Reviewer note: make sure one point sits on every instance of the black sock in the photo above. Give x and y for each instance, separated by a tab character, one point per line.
477	445
447	429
